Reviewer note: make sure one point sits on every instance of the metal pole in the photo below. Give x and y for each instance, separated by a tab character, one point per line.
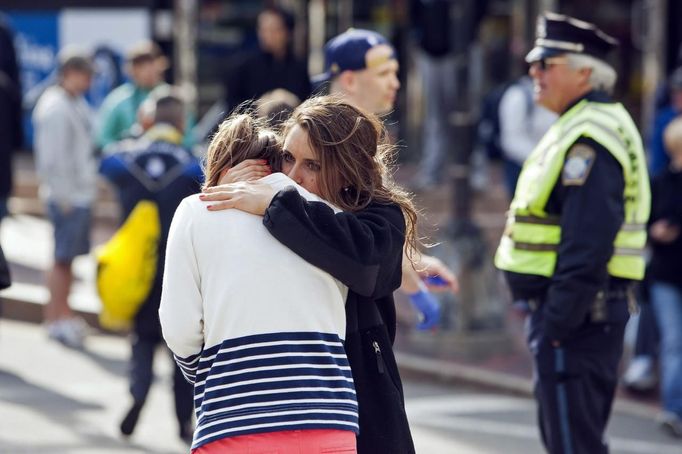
185	56
478	306
653	47
316	35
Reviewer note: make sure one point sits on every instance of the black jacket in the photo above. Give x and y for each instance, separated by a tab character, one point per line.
666	203
10	107
364	251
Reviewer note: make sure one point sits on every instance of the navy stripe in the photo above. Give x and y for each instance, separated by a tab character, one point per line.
270	337
274	408
274	396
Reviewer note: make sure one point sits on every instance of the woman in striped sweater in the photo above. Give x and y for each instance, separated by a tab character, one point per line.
257	329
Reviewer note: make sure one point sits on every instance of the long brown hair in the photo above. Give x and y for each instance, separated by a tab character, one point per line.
355	158
240	137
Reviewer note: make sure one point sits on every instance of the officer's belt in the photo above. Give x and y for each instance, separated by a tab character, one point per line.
599	308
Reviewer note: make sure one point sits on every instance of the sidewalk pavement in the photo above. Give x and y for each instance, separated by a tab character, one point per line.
55	400
26	241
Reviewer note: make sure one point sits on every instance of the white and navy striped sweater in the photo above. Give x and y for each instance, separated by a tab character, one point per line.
258	330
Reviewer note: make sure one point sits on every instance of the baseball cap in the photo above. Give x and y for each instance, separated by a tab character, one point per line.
348	52
74	59
144	51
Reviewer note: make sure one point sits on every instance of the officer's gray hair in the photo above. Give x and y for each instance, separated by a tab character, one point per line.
603	76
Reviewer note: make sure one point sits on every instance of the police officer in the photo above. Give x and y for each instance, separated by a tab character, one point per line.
575	234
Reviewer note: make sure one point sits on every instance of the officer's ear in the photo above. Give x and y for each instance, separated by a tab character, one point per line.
584	74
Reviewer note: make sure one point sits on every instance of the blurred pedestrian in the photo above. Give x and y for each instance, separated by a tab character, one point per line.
641	375
158	168
665	277
361	66
658	155
67	170
276	106
146	65
234	298
335	151
437	69
576	231
273	65
522	125
11	128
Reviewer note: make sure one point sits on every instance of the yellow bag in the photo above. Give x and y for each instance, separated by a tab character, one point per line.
126	266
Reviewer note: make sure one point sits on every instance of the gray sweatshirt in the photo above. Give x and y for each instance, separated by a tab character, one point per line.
64	148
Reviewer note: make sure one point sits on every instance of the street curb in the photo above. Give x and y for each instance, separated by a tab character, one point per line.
451	371
30	309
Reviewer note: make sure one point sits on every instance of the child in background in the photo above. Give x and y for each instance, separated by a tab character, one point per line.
665	277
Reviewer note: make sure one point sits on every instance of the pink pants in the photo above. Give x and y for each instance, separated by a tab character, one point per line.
323	441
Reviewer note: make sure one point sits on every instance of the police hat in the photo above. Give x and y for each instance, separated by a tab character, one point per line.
348	51
557	34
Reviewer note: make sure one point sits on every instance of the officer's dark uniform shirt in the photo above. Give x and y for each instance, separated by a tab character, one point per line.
591	211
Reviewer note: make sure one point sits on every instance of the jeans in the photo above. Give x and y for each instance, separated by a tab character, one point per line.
667	302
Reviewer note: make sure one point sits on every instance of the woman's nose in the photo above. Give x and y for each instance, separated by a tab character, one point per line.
296	175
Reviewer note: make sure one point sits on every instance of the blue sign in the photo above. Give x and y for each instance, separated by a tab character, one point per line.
36	42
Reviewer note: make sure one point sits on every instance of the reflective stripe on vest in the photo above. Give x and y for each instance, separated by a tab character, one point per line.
531	238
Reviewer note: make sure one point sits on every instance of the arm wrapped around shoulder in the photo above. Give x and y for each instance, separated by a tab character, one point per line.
362	249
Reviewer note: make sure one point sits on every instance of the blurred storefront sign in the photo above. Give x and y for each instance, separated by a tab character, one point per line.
105	32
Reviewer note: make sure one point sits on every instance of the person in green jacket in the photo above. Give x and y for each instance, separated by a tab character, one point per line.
118	114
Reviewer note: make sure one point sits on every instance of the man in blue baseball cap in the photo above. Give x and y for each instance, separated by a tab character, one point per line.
362	65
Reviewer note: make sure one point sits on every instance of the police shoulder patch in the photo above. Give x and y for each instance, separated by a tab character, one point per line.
579	161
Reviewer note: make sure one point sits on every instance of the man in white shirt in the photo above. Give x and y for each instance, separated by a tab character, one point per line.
67	170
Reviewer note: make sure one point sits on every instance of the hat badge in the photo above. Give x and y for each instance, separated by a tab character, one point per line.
541	30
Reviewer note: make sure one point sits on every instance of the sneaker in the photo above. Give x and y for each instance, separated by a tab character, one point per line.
130	420
640	374
186	432
69	331
671	424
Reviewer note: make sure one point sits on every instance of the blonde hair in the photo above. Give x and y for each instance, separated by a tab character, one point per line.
240	137
355	158
672	136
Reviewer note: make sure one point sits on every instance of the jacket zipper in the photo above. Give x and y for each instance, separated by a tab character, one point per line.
380	359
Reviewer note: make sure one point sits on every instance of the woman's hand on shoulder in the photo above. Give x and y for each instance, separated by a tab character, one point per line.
251	196
247	170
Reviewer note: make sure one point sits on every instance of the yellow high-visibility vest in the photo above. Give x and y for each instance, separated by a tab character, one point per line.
531	237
